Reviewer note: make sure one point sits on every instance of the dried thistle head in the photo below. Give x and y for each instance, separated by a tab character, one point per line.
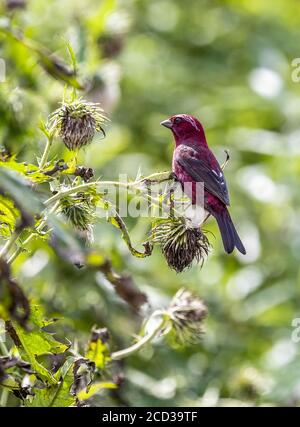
180	243
77	122
187	312
249	383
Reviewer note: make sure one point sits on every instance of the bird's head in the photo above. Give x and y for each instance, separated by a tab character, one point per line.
185	127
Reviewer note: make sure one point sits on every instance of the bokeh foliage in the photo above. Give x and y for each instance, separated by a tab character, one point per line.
229	63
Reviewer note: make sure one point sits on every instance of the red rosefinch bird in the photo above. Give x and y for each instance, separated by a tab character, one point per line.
194	162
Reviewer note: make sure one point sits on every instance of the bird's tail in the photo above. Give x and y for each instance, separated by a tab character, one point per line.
228	232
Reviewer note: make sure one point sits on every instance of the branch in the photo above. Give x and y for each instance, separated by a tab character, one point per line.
117	355
46	152
153	178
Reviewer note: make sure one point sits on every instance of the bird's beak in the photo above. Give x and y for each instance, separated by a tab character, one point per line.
167	123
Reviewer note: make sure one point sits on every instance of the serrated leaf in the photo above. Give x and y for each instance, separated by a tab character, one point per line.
29	171
37	316
56	395
37	343
40	343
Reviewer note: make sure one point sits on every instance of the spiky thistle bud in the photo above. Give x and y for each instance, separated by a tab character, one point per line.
187	312
180	243
77	122
80	212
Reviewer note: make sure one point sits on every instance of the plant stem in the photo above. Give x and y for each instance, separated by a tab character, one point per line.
3	348
117	355
83	187
4	394
46	152
157	177
19	250
9	244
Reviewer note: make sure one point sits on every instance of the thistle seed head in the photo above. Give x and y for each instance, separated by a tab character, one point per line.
187	312
180	244
77	122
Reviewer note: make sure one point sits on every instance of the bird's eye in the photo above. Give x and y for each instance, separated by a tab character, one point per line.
177	120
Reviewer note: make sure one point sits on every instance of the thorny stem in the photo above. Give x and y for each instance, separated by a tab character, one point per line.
117	355
86	186
157	177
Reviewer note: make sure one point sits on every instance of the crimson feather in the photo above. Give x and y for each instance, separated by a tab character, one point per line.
194	162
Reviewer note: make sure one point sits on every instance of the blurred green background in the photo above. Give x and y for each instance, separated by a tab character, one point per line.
230	64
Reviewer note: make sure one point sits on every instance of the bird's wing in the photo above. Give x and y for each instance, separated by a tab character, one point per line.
202	166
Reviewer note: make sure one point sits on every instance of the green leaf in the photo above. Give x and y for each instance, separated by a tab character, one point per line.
8	216
95	258
36	343
10	382
39	343
16	187
37	316
72	56
58	395
94	389
29	171
98	353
